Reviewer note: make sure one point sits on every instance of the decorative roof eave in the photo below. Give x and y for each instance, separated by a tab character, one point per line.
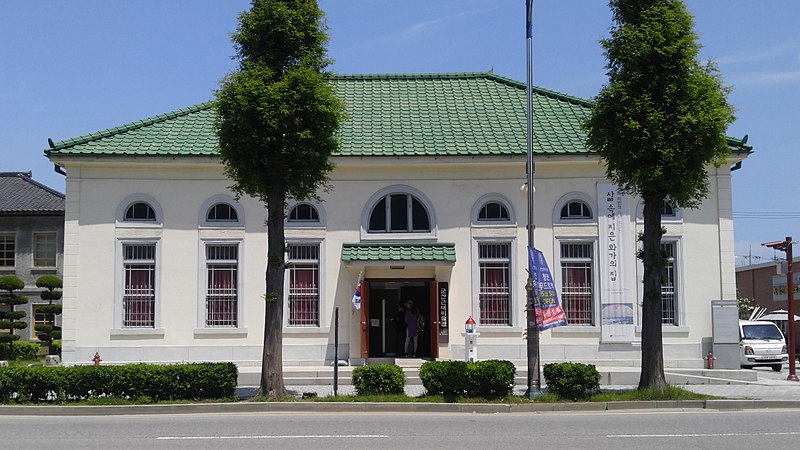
399	253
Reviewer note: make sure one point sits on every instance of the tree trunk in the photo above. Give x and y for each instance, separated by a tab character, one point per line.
272	359
652	375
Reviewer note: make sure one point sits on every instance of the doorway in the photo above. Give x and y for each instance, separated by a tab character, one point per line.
386	322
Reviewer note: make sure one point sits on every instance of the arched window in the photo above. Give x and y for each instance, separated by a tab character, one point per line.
222	212
399	213
576	209
668	210
140	212
303	212
493	212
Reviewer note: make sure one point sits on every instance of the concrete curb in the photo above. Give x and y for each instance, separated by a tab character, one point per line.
355	407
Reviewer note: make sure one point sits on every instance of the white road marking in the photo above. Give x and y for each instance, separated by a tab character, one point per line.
777	433
319	436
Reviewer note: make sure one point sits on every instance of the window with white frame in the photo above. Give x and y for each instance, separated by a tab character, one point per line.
494	295
139	293
302	270
576	209
577	287
222	212
668	284
44	249
493	212
399	213
140	212
303	212
222	285
7	249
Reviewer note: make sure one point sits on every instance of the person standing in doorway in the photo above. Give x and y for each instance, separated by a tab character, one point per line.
412	329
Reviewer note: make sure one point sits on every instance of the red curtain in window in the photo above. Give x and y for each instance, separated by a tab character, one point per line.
302	296
139	300
494	295
221	301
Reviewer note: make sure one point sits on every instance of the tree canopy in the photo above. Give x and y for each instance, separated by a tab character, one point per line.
658	123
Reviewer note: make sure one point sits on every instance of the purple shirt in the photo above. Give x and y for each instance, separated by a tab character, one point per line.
411	323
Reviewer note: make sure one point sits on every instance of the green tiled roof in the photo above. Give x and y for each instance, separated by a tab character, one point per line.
451	114
399	251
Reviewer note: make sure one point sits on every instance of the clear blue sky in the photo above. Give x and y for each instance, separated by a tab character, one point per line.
71	68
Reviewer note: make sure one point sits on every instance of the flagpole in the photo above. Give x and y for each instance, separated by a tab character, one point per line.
534	376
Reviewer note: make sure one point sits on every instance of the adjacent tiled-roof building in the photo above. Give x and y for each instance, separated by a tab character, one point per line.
31	239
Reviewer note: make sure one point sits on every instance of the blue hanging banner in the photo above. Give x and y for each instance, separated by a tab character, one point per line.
549	313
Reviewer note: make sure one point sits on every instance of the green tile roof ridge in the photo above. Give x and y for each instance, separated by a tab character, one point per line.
462	75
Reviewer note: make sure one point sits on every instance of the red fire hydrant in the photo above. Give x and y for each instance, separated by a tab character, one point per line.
710	360
96	358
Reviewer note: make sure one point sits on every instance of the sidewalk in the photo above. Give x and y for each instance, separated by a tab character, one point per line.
742	389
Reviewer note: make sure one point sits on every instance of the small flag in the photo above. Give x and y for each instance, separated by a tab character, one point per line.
357	295
529	18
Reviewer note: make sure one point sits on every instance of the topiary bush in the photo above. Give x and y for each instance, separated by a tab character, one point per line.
10	319
48	332
379	379
570	380
492	378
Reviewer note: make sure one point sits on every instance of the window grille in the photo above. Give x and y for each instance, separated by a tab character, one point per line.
668	283
139	298
222	294
494	297
577	292
303	273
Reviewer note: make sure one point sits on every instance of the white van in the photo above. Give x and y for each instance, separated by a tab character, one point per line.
761	344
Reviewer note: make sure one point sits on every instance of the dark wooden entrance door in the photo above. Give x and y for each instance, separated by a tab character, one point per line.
385	319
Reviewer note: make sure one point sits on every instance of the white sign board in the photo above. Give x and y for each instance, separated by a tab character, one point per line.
617	300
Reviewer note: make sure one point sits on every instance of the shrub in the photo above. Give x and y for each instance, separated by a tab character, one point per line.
26	350
135	381
481	378
379	379
572	381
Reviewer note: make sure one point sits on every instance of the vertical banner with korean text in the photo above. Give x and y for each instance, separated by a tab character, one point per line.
549	313
617	300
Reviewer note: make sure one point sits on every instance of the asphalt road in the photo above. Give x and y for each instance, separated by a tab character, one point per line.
653	429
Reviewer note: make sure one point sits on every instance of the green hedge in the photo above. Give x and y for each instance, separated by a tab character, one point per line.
570	380
481	378
135	381
21	350
379	379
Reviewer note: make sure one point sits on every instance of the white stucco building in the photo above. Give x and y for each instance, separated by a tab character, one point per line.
163	264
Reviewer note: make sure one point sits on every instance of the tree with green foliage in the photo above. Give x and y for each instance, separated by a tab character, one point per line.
277	118
746	305
48	332
10	320
658	124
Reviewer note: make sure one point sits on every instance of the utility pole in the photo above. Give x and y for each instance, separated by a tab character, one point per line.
786	246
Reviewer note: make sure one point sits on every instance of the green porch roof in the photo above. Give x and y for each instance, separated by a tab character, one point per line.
399	252
440	114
